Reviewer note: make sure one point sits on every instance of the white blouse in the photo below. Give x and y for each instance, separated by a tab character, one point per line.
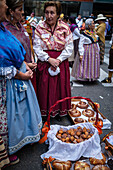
84	40
42	55
8	72
76	34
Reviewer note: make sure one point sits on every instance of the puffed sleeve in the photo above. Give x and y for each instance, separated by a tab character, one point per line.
38	49
81	43
8	72
77	32
66	53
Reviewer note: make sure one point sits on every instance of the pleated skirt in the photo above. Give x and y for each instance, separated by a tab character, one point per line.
50	89
89	68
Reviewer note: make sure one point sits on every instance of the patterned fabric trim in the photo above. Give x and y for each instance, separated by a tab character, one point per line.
91	35
40	125
27	140
4	160
8	72
55	112
57	40
3	112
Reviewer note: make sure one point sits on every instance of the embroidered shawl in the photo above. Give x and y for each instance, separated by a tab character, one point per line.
91	35
57	39
11	51
22	36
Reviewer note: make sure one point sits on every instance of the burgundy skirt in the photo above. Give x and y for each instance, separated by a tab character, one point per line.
33	80
53	88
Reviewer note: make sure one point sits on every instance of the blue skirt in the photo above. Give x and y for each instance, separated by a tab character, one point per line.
23	113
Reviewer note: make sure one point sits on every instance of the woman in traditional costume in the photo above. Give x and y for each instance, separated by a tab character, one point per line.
20	117
53	45
87	63
12	23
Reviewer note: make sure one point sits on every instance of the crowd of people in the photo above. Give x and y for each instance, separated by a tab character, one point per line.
86	65
34	68
89	46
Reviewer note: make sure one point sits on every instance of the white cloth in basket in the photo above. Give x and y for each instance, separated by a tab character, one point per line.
67	151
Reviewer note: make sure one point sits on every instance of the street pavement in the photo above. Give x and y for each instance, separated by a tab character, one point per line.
97	92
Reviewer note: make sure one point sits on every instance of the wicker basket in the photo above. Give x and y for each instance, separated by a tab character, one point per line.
46	126
109	145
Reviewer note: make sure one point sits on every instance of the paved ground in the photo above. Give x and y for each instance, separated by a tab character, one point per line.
97	92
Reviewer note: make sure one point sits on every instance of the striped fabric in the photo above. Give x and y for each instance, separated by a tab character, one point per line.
89	67
4	160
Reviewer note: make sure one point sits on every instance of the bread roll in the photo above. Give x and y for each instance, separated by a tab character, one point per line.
58	136
100	167
64	135
95	161
75	112
62	165
73	106
82	105
93	119
60	131
88	113
79	120
74	135
79	165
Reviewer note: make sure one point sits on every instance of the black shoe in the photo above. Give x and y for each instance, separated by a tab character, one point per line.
106	80
101	62
71	83
71	63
